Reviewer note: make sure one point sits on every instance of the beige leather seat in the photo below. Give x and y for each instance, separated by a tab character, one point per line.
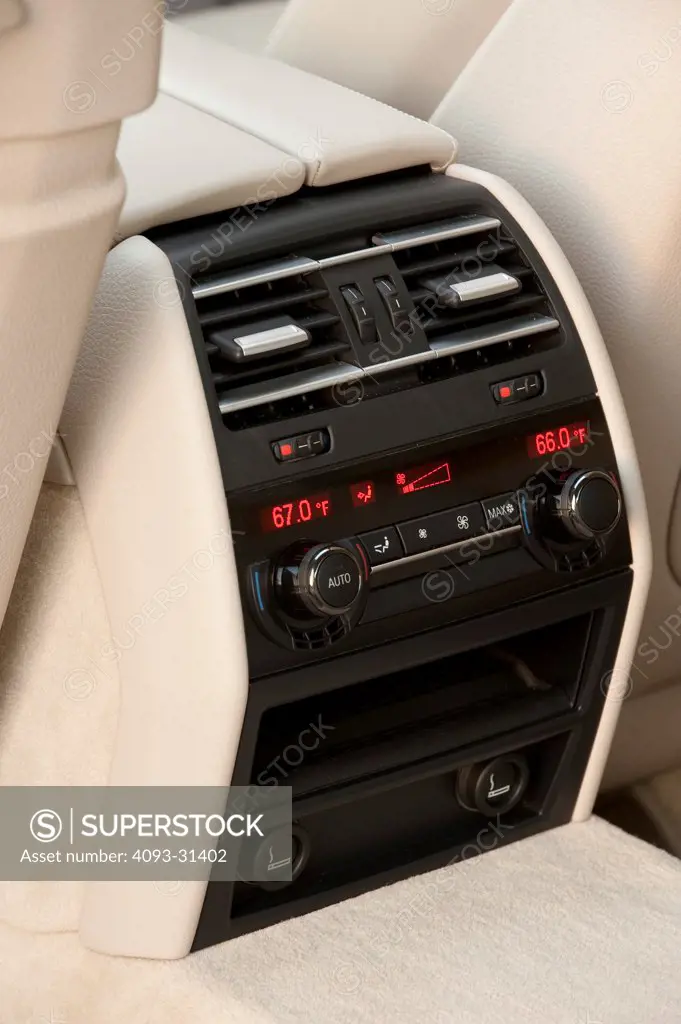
247	25
405	54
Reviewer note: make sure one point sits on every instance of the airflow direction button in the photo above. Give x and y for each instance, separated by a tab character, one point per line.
382	546
519	389
303	446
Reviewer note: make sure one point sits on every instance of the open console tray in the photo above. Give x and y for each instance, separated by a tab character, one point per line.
410	715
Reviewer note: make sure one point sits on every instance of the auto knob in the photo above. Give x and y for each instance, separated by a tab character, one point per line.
588	504
321	581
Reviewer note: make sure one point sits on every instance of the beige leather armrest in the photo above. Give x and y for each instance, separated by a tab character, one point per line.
179	162
339	135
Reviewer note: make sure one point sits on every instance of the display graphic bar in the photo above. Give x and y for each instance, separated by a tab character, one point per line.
424	477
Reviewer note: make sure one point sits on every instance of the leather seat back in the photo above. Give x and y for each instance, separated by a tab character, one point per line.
406	53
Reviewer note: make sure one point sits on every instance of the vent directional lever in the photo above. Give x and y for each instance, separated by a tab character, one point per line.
395	304
458	288
362	317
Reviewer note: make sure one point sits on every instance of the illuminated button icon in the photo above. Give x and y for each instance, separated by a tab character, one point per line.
363	493
284	450
520	389
463	522
423	534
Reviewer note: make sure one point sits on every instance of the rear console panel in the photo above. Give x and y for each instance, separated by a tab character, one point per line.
432	546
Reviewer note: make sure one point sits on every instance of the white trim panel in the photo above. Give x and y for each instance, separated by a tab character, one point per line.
152	491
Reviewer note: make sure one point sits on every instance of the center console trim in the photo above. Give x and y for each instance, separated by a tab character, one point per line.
124	919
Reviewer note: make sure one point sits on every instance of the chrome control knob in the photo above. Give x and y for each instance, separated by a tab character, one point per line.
589	504
322	581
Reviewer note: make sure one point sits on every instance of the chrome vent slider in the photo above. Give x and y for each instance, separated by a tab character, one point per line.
281	334
457	289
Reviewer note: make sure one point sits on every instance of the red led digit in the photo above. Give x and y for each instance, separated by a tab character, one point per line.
295	513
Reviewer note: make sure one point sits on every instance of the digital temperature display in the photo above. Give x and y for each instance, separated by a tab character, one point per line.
293	513
539	446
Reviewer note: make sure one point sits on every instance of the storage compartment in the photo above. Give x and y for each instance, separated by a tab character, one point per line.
402	718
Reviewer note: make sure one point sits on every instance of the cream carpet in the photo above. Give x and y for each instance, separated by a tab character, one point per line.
577	926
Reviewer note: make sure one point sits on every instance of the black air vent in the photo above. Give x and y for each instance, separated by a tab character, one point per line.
279	347
250	390
503	314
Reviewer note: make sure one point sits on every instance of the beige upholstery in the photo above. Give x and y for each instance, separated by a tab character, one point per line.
252	130
58	700
246	25
403	52
11	14
60	195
